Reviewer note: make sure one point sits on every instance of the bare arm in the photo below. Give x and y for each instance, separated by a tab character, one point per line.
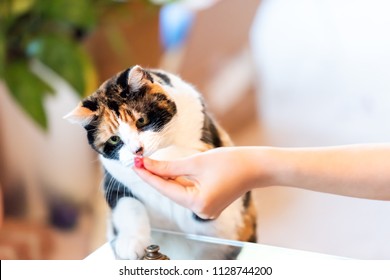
355	170
210	181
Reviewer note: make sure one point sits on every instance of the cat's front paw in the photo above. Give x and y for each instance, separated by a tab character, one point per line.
129	247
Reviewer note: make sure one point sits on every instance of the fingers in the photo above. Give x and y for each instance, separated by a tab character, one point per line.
185	182
166	168
181	190
174	189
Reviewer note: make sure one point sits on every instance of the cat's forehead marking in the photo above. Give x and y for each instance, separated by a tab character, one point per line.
108	125
126	114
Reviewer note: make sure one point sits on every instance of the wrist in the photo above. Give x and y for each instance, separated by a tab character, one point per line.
262	166
271	166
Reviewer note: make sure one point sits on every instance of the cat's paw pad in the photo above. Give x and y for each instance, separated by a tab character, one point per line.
129	248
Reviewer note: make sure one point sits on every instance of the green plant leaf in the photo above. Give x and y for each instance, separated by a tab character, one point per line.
28	90
2	54
15	7
77	17
75	12
66	58
90	75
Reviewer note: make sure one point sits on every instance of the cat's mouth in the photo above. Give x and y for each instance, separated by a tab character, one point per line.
130	162
139	152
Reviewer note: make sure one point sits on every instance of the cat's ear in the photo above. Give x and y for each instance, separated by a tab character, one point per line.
80	115
139	77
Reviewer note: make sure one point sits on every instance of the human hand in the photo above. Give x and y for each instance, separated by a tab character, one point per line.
206	183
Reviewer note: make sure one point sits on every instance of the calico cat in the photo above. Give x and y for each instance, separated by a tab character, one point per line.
153	113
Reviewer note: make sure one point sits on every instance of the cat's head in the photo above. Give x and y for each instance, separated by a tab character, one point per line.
130	114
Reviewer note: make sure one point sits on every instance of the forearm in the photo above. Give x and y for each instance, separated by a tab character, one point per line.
356	170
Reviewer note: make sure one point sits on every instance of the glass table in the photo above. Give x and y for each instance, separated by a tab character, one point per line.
171	245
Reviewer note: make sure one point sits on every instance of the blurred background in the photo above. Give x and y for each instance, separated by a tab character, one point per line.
273	72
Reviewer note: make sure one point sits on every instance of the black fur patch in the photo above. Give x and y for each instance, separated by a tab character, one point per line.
91	131
113	105
159	115
124	93
210	133
91	104
163	77
123	77
114	190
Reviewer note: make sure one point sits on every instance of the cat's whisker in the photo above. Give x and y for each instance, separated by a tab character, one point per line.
128	163
110	188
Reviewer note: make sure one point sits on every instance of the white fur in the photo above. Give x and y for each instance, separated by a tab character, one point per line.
181	137
130	219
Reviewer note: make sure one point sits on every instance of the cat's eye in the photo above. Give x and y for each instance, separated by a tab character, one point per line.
141	122
114	140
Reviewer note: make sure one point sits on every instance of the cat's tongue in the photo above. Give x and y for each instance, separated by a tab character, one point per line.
139	162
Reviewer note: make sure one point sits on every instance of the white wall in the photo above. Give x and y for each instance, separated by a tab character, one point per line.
324	72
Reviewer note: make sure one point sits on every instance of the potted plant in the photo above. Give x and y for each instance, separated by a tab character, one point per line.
49	32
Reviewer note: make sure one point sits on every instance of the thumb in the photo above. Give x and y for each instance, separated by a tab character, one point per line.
173	168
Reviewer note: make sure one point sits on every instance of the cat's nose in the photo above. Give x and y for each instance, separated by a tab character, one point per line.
139	151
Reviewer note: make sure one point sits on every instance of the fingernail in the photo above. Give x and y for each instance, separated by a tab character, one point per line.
139	162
